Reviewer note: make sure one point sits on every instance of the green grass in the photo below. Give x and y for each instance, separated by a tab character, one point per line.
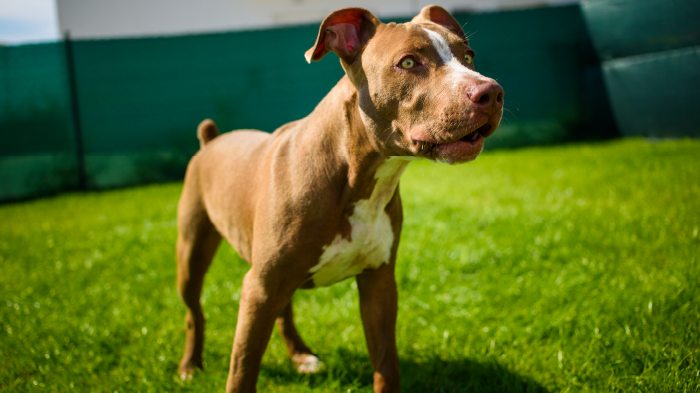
567	268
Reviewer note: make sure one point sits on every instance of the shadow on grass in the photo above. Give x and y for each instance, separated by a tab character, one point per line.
430	374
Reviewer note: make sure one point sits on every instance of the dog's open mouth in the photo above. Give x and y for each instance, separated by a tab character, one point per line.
463	149
474	135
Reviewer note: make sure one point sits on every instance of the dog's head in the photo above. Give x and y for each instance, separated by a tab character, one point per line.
419	93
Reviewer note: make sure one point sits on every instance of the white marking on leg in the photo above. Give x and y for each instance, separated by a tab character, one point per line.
309	365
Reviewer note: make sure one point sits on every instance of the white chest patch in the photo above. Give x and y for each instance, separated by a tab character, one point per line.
371	234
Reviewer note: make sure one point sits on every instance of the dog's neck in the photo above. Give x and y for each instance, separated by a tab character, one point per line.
339	127
369	184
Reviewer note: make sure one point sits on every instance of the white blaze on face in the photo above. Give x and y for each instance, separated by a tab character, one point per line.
458	70
371	235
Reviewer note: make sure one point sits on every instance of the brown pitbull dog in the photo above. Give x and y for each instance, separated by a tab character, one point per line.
317	201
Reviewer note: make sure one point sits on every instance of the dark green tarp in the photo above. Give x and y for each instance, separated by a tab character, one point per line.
622	28
650	63
656	94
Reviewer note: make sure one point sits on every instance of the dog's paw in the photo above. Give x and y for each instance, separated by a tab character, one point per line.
186	376
187	370
307	364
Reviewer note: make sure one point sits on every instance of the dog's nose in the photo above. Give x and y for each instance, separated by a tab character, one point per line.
487	95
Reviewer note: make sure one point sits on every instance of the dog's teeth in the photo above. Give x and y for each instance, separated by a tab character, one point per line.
475	136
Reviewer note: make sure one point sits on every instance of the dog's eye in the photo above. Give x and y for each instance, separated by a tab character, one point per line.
408	63
468	58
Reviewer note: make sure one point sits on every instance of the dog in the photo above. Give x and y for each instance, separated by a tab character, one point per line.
317	201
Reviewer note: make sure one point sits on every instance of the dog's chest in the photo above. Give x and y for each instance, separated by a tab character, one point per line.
371	236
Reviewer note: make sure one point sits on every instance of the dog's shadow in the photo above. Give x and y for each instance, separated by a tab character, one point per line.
430	374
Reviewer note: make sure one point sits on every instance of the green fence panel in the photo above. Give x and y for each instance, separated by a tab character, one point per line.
656	94
37	153
142	99
622	28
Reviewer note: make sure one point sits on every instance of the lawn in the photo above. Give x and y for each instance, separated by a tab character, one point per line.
564	268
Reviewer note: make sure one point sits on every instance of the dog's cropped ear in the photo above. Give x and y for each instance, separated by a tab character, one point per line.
345	32
437	14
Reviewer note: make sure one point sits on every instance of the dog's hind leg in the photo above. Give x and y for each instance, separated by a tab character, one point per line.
196	244
302	358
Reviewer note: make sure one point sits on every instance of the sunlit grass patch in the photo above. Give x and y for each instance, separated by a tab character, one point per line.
542	269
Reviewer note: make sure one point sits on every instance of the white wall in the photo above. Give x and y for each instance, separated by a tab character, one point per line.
25	21
134	18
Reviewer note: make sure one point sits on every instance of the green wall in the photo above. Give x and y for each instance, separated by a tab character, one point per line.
140	100
37	148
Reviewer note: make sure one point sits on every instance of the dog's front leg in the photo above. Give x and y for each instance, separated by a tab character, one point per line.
378	306
259	306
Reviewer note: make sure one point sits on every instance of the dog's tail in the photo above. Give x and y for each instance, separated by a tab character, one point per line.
206	131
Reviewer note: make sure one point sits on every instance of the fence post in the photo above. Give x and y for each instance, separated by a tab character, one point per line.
75	109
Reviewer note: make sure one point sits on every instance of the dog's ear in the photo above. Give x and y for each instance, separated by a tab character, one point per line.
437	14
345	32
